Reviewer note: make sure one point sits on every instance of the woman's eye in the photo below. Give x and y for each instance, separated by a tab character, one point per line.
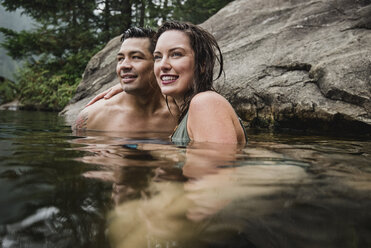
137	57
156	57
119	59
176	54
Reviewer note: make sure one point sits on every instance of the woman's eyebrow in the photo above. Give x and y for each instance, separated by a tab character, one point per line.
175	48
171	49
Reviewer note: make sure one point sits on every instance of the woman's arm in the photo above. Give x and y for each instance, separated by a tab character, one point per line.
106	94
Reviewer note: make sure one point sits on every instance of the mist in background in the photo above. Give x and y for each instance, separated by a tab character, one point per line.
12	20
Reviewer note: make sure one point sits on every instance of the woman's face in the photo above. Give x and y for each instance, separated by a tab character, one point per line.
174	63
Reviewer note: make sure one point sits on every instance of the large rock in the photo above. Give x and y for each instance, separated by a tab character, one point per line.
294	64
13	105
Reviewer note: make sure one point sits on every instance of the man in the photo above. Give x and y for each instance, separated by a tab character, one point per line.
141	106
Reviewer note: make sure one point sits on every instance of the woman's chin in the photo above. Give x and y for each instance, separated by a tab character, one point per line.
167	92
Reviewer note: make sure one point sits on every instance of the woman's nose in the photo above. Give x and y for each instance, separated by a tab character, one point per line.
165	64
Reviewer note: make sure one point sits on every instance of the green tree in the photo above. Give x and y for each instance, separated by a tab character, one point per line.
57	50
8	90
197	11
69	33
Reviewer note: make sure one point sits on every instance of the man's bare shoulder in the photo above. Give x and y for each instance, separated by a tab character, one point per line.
95	115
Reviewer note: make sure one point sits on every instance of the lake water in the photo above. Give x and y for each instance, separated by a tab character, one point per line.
95	189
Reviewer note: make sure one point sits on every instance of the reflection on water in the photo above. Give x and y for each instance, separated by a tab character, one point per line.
98	189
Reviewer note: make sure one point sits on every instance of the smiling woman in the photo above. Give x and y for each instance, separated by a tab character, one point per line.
185	57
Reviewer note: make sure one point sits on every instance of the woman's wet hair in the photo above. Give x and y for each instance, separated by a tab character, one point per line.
136	32
206	52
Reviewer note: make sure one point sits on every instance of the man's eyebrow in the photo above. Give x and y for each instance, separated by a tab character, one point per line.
136	51
131	53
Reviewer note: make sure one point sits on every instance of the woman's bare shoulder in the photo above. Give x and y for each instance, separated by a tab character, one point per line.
210	97
209	101
211	119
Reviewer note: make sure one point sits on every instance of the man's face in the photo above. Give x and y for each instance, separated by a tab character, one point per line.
135	66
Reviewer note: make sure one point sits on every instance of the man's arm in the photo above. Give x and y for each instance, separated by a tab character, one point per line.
106	94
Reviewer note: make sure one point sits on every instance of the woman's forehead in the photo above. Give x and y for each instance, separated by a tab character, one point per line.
173	38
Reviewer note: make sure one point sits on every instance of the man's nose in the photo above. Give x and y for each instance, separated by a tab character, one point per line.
125	65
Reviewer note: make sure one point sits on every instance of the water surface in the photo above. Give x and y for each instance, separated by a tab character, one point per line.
99	189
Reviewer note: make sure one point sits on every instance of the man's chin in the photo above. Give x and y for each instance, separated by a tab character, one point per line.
132	90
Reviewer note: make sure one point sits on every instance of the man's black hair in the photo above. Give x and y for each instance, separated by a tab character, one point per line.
136	32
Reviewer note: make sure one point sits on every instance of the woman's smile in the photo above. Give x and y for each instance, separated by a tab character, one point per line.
168	79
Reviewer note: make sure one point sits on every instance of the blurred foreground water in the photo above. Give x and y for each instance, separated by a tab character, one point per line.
99	189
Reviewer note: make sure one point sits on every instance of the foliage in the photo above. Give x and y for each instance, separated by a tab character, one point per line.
70	32
43	94
49	85
8	90
197	11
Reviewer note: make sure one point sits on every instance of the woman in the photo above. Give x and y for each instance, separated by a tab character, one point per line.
185	56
